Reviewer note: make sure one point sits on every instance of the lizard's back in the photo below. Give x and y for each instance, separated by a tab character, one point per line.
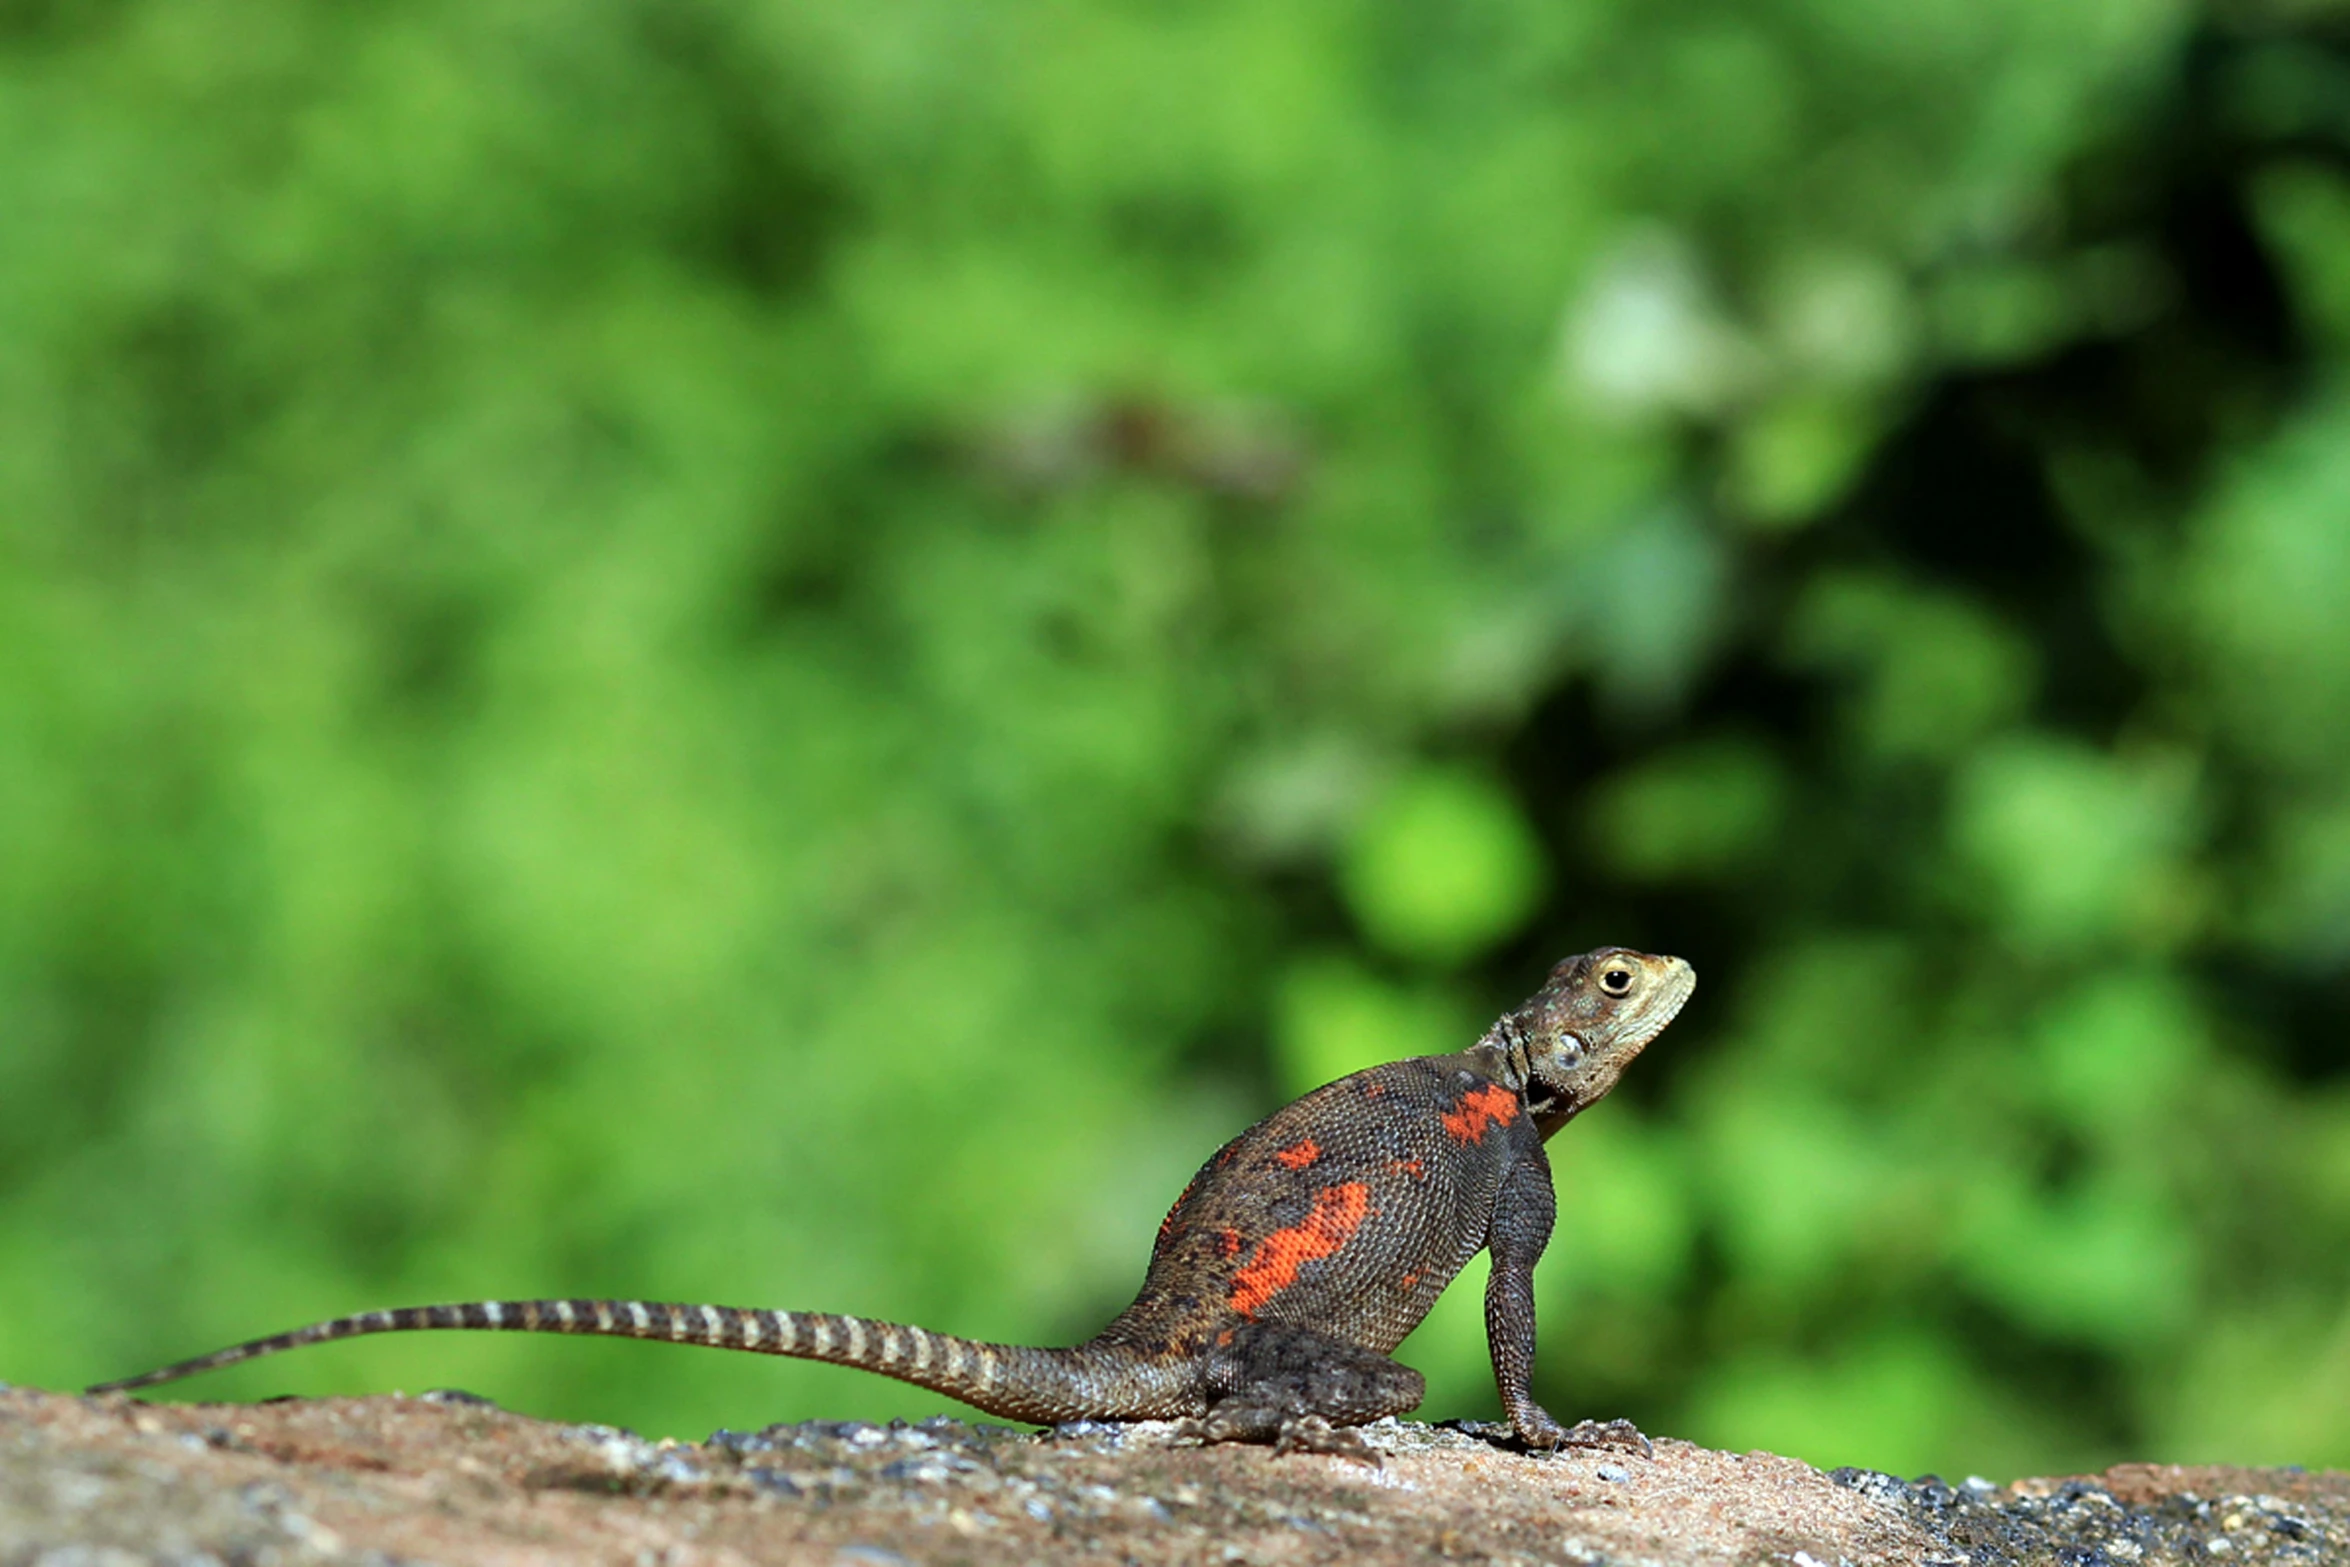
1346	1211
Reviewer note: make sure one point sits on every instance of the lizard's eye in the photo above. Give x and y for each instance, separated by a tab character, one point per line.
1616	982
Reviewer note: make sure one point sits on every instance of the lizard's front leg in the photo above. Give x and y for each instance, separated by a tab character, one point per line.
1522	1217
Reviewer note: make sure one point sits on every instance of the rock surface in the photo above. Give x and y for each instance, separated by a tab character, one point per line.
448	1478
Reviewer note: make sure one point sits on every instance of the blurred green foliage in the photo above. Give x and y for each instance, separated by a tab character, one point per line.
789	654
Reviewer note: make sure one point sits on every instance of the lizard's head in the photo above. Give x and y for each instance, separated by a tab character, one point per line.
1584	1026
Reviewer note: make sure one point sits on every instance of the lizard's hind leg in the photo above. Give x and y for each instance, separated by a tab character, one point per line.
1300	1389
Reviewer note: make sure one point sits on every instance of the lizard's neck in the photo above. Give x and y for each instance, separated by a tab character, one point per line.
1502	1055
1506	1056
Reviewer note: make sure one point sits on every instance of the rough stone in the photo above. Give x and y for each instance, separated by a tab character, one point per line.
107	1482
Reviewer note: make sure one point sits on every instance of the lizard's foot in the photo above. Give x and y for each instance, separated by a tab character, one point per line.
1313	1434
1287	1433
1300	1390
1607	1433
1536	1430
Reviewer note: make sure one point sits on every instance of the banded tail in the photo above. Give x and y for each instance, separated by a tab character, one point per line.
1009	1380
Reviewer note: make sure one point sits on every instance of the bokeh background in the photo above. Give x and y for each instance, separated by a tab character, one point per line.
789	653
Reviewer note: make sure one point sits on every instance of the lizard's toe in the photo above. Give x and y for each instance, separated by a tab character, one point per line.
1231	1423
1313	1434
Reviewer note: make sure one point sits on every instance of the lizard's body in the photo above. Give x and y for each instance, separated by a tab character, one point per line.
1295	1260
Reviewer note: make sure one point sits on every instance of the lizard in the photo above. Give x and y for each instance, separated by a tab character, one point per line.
1295	1260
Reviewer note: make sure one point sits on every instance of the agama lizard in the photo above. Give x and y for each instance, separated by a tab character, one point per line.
1295	1260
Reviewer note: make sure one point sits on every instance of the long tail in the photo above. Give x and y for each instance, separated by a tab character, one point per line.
1010	1380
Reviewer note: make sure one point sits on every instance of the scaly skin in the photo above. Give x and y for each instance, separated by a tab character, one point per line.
1296	1259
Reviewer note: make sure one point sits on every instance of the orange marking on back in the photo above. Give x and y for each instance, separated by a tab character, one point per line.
1411	1167
1298	1155
1338	1212
1373	1088
1228	1242
1411	1281
1492	1105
